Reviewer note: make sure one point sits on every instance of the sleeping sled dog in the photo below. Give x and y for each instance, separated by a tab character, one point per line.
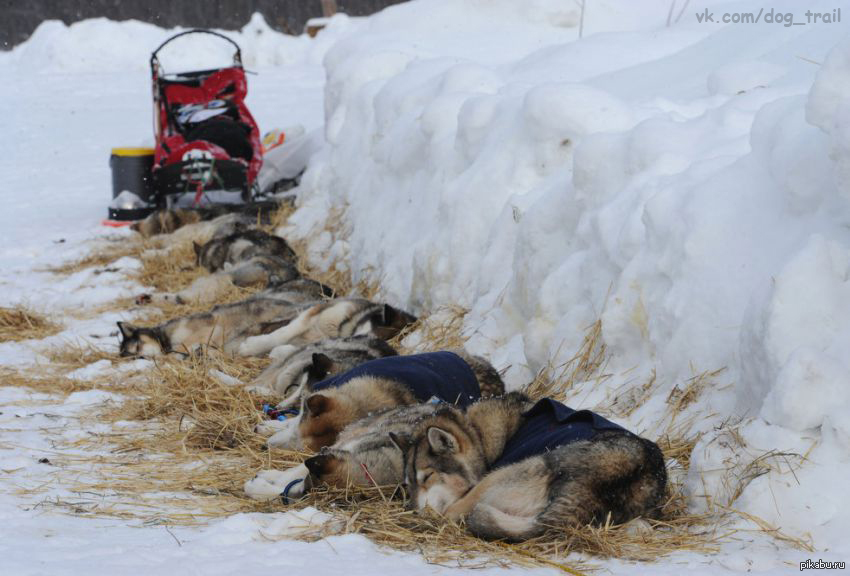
241	246
514	470
228	325
167	221
327	407
338	318
294	367
244	257
363	455
280	278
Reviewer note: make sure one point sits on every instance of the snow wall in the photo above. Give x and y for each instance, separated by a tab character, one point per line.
686	184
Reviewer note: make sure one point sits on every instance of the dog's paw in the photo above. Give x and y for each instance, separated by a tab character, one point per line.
224	378
270	427
253	346
261	390
266	485
271	484
143	299
282	351
287	437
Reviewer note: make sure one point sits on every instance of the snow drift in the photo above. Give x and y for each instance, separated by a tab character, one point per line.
101	45
685	184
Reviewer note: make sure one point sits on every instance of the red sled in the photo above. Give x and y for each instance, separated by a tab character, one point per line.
206	138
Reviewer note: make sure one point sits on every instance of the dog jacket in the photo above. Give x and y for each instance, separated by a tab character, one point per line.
548	425
442	375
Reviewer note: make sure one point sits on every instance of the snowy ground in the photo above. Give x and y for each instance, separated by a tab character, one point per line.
687	184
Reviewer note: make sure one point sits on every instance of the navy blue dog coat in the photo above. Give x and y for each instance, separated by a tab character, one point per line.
443	375
548	425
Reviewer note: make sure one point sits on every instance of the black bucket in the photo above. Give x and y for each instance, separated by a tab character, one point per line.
132	171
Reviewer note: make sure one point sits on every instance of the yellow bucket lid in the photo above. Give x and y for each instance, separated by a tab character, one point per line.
133	151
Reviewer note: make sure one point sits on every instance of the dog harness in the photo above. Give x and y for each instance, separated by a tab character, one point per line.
549	425
443	375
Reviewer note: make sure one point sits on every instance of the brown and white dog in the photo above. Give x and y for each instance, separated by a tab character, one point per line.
363	455
327	407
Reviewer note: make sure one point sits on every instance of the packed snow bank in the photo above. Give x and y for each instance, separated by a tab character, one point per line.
687	185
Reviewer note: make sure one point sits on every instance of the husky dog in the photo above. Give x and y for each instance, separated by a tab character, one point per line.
227	326
295	368
224	327
299	290
338	318
167	221
241	246
191	225
363	455
334	403
201	231
264	269
514	470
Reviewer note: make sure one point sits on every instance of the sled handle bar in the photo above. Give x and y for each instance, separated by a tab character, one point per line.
237	57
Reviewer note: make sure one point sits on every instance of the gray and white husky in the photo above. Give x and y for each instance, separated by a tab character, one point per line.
228	326
224	327
194	231
167	221
241	246
363	455
277	274
338	318
295	368
184	225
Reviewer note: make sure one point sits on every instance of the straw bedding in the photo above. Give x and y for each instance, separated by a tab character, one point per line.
197	439
190	445
21	323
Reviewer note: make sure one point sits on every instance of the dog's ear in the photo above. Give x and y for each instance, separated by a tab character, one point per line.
396	318
318	404
441	442
136	226
320	368
321	464
127	330
387	315
400	441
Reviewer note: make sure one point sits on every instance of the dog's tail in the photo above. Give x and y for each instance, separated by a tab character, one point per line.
491	523
619	476
489	381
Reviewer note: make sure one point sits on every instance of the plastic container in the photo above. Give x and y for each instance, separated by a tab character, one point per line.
132	172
